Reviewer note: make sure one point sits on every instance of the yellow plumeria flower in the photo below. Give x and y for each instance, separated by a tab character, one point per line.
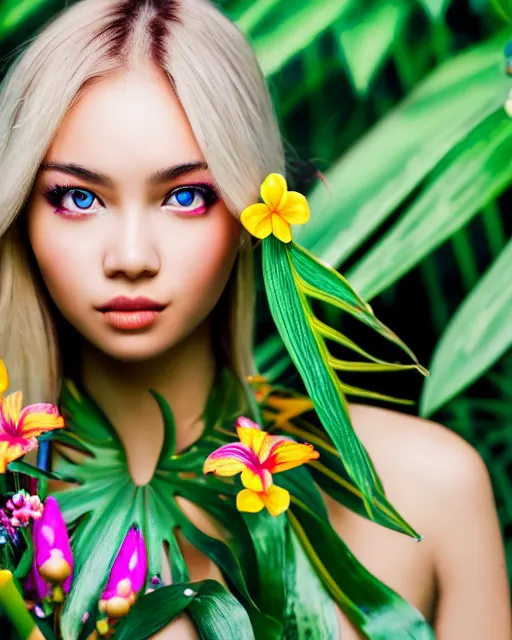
4	378
280	209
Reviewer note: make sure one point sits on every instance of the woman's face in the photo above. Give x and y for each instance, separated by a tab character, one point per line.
124	206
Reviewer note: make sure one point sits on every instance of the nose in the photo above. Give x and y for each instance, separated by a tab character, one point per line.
131	252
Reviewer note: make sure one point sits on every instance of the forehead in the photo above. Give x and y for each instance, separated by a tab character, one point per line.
130	117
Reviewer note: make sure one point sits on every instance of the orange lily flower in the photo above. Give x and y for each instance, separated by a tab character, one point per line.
19	428
257	456
280	209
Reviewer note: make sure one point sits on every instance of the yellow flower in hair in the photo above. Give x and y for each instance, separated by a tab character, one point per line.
280	209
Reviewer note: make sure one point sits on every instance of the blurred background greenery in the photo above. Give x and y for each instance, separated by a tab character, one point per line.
398	107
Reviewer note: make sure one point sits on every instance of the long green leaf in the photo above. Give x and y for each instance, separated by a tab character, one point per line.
368	38
371	180
311	614
478	334
292	315
475	172
299	24
369	604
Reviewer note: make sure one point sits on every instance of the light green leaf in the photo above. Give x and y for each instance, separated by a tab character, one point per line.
503	8
299	24
372	179
368	38
435	8
14	12
478	334
475	172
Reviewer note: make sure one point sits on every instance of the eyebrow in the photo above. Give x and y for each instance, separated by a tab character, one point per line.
159	177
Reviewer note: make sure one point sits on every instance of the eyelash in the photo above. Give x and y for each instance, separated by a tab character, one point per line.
56	193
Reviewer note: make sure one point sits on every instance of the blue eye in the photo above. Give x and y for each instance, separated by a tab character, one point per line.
71	200
82	199
192	201
185	198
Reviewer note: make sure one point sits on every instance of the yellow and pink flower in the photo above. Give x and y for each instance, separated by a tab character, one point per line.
20	427
257	457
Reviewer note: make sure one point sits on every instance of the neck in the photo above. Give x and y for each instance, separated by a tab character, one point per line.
184	376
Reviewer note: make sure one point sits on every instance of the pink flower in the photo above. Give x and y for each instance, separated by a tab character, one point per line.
127	577
24	508
53	560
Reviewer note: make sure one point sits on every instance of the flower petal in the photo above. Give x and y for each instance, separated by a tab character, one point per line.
281	229
39	418
259	480
247	500
288	454
243	421
4	378
294	208
12	406
229	459
10	452
257	220
252	438
273	188
276	499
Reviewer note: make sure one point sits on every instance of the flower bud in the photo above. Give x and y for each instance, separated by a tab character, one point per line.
127	577
53	560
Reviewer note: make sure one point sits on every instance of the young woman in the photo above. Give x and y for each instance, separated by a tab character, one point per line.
134	133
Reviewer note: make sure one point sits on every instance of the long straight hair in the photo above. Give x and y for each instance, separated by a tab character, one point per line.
217	79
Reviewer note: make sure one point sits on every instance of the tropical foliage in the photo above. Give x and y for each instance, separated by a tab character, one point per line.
399	103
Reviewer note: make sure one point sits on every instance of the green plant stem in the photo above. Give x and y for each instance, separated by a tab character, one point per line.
437	303
465	259
493	227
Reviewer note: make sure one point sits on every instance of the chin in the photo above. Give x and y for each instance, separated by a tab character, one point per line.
135	348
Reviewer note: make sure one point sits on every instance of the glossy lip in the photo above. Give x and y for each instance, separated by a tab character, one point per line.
131	320
123	303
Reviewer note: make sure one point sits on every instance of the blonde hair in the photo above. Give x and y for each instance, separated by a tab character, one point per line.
218	81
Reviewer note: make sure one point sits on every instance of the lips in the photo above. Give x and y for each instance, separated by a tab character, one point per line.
122	303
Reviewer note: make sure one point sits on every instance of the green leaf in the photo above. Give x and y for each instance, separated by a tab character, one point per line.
298	25
310	614
216	613
169	445
435	8
503	8
372	179
478	334
153	611
34	472
368	38
295	322
476	171
368	603
13	13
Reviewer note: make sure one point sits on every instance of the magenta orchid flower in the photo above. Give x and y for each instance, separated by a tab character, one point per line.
257	457
127	578
52	569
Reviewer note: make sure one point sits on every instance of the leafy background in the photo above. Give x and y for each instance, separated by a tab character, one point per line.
399	105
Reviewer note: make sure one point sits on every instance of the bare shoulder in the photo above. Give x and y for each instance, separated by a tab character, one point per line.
441	486
432	457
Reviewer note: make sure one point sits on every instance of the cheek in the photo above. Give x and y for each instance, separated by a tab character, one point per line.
205	261
59	258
